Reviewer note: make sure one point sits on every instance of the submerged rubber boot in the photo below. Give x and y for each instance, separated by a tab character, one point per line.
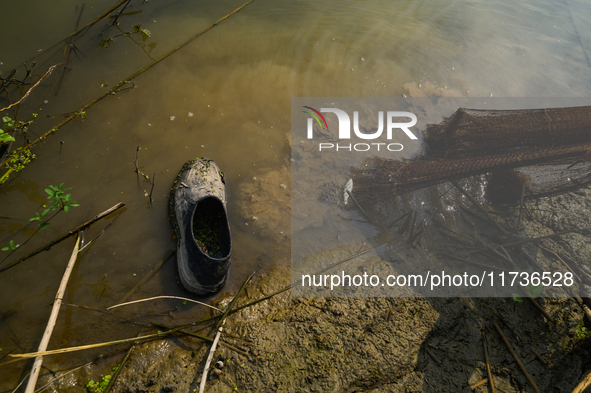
197	211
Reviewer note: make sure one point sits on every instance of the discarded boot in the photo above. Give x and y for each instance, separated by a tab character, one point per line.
197	211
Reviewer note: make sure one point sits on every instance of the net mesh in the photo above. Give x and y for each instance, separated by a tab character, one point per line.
540	149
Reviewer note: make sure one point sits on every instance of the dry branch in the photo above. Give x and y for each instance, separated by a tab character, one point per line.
584	384
52	318
32	87
433	356
147	276
523	370
165	297
66	235
479	383
485	345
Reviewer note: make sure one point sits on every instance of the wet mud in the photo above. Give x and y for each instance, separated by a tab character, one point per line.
380	344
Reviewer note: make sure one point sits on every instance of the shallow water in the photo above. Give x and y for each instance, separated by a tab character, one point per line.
226	96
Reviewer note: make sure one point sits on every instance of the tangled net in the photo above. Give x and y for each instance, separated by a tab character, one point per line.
543	149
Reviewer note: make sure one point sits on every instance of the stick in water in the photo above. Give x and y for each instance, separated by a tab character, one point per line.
52	318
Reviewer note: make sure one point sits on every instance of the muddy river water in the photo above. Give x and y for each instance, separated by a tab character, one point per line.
225	96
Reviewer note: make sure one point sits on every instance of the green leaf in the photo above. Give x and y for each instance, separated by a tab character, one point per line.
66	208
6	138
50	192
6	119
517	298
534	290
5	248
581	323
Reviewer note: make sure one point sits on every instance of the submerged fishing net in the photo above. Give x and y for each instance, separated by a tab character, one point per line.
541	149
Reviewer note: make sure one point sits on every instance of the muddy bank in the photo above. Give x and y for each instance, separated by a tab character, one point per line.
369	345
363	345
381	344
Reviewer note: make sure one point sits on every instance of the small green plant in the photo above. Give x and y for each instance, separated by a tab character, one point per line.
11	246
4	137
105	43
98	387
59	201
9	124
517	298
581	331
145	32
19	158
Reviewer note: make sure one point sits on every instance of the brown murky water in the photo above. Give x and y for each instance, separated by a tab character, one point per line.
226	96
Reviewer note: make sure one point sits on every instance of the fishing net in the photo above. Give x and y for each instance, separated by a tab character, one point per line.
540	151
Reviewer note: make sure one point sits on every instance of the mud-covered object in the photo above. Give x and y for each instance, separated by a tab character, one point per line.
545	150
199	190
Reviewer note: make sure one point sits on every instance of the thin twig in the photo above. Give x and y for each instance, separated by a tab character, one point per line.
200	337
485	345
534	263
415	239
153	182
21	382
520	208
583	306
120	12
113	379
52	318
17	357
563	262
523	370
479	383
96	237
433	356
165	297
209	358
30	237
480	208
521	242
137	168
584	384
540	358
74	34
148	276
69	48
472	262
219	326
61	376
32	87
536	305
359	207
97	310
66	235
